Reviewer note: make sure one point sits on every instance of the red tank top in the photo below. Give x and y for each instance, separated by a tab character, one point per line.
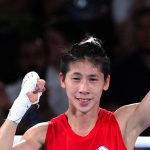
106	135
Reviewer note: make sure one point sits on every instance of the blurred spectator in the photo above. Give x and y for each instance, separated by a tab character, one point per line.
121	16
32	57
122	10
131	76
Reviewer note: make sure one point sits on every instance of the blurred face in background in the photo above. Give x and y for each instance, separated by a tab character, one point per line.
32	56
143	32
56	42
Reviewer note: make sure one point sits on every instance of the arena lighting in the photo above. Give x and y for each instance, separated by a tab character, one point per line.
141	142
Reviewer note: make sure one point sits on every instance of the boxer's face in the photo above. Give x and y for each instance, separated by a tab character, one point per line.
84	83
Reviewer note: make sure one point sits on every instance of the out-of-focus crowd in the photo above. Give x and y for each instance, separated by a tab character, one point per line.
34	33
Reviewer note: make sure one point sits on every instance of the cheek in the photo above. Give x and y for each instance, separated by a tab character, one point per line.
70	93
71	89
97	90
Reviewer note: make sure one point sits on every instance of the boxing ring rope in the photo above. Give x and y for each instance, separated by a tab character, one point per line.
141	142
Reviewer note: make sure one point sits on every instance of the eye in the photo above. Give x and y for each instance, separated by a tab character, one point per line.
93	79
76	78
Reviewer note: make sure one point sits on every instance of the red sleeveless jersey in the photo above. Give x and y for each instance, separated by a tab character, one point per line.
106	135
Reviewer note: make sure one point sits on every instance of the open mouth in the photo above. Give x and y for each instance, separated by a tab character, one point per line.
84	101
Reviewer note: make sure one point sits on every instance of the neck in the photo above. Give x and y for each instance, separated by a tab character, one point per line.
82	123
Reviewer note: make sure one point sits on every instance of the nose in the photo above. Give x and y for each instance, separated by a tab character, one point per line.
84	87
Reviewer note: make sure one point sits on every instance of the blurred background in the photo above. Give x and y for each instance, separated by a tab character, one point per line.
34	32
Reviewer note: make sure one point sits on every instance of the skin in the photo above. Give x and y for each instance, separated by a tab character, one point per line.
84	84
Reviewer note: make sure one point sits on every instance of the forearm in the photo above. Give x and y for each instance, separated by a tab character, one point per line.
7	133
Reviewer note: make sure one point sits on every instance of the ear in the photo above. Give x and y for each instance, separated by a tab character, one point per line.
107	82
62	80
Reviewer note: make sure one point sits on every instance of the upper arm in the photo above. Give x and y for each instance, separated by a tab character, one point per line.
142	113
33	139
125	117
133	119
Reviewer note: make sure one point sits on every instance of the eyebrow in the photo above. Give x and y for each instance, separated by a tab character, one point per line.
94	75
76	73
91	75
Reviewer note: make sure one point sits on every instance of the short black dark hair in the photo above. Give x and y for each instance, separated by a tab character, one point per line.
89	48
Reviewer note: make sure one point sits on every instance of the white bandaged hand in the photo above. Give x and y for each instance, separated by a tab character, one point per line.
22	102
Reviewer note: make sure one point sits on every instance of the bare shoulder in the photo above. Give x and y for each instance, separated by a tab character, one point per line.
126	119
34	138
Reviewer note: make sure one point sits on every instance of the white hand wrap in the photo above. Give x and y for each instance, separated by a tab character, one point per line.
22	102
